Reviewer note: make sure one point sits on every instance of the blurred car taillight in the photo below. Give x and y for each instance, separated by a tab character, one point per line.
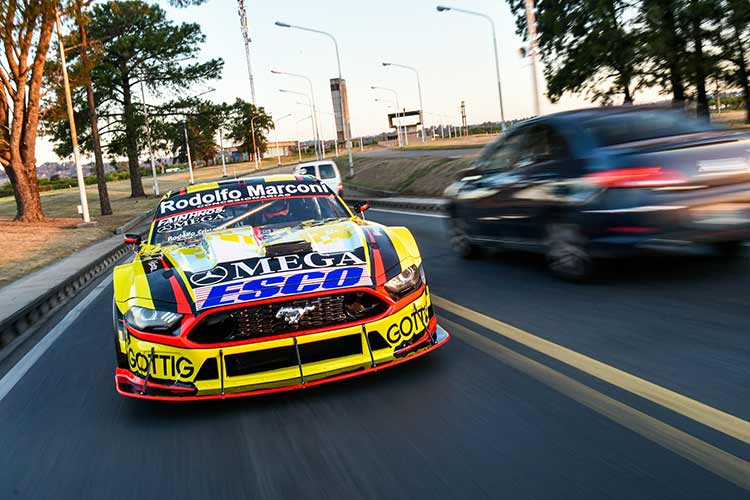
636	177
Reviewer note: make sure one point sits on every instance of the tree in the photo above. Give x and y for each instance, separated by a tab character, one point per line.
733	39
240	126
587	46
664	45
142	45
699	23
201	119
26	27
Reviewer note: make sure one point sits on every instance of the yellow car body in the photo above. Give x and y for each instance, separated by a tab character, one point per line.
213	308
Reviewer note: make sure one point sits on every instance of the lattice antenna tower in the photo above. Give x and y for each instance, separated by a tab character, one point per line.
246	37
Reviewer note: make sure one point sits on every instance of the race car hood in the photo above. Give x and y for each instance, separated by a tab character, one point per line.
248	264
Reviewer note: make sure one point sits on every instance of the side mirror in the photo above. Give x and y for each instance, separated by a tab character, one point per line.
133	239
361	206
473	171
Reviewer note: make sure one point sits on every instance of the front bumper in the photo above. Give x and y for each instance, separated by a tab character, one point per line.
161	372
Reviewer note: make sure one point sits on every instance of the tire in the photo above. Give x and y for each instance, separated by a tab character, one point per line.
567	255
460	242
729	248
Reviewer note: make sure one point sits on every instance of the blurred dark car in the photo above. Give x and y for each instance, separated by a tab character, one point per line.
605	182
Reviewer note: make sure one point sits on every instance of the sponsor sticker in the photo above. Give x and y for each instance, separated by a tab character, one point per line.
238	194
181	221
279	285
163	365
409	325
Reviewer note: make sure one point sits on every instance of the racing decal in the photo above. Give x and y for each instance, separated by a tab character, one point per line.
260	266
239	193
409	325
380	242
163	365
278	285
178	222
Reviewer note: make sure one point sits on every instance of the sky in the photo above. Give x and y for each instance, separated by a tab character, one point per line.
452	51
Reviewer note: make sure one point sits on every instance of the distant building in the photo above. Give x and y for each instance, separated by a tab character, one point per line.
338	87
282	148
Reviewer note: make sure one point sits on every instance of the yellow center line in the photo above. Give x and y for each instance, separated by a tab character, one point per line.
711	458
690	408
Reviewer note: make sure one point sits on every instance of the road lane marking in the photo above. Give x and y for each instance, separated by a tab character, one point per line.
711	458
695	410
17	372
437	216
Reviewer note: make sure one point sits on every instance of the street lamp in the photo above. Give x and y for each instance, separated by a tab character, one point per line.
316	135
341	95
299	146
443	8
322	141
391	104
398	108
187	141
276	133
419	90
312	96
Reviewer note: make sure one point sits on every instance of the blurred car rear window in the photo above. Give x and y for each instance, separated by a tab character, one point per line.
636	126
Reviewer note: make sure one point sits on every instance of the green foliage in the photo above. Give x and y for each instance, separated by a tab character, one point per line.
240	127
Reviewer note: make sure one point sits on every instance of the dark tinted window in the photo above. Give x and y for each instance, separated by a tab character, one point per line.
621	128
309	170
541	143
506	155
327	172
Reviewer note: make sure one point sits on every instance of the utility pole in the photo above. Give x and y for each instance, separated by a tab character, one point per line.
463	118
187	147
246	38
73	133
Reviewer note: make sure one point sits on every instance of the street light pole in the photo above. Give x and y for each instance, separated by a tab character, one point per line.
73	133
223	153
148	141
311	104
393	105
341	94
442	8
276	133
419	90
314	107
398	108
299	144
187	147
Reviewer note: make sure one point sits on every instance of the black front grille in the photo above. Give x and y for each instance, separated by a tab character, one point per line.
254	322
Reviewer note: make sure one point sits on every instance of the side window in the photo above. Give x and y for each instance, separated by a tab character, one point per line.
309	170
327	172
506	155
542	143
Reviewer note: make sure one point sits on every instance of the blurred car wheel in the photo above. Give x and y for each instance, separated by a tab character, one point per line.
460	242
566	255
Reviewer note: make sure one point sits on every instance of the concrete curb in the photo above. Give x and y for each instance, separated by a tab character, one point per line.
134	222
18	326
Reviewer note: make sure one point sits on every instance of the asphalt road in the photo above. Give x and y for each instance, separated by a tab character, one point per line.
483	417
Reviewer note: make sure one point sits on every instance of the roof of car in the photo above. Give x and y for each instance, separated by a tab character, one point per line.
302	179
595	112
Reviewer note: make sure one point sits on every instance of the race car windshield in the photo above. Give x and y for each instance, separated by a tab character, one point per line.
189	225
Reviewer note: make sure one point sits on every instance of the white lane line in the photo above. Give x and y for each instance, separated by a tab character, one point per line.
9	381
437	216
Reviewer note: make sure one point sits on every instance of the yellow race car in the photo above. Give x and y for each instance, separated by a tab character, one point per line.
265	284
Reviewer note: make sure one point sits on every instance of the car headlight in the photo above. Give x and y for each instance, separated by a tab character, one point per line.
151	320
409	280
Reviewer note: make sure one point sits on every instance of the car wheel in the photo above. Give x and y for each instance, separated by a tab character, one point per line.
460	242
567	256
729	248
